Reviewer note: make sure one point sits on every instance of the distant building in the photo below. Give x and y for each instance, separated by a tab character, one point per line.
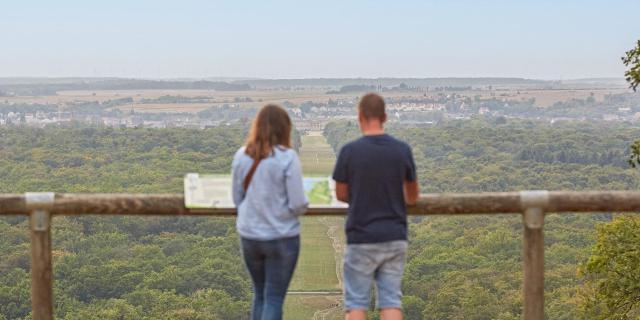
610	117
154	124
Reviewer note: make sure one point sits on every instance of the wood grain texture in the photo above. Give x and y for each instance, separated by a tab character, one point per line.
428	204
533	265
41	272
11	204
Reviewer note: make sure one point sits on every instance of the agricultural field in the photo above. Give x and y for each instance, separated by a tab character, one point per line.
544	98
256	98
206	98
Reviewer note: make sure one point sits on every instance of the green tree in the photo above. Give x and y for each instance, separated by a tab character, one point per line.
612	290
412	307
632	60
115	309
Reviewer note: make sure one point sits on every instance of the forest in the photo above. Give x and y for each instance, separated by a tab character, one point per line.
189	268
123	267
470	267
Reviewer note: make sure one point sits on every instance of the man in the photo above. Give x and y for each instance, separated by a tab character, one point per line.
376	175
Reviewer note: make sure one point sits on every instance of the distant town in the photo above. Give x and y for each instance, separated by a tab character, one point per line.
311	103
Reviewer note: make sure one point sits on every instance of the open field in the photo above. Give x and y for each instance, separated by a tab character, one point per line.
316	155
543	97
316	270
320	262
258	97
305	307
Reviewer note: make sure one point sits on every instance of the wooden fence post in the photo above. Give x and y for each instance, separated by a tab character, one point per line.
41	270
533	203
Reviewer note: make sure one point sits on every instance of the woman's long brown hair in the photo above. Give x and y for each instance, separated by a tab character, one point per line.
270	128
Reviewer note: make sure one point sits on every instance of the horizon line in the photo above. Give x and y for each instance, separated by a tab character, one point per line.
243	78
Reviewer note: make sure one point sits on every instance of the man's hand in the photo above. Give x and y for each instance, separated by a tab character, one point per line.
411	192
342	192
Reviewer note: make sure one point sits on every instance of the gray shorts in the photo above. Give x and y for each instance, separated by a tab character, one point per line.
382	262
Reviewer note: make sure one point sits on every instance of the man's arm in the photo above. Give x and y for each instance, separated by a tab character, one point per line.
342	192
411	189
411	192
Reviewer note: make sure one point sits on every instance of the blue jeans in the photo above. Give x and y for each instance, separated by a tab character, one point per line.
271	264
380	262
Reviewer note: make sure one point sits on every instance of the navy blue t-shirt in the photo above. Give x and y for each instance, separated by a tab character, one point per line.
375	168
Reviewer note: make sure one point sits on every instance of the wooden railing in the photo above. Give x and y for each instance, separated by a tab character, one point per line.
531	204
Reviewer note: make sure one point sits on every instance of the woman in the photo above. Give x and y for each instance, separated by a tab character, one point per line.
268	192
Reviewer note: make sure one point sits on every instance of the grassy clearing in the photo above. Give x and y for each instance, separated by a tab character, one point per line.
316	270
303	307
316	156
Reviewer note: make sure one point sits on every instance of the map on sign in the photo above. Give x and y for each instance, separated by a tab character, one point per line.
202	191
207	191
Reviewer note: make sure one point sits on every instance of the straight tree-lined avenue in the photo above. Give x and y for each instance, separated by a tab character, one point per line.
315	291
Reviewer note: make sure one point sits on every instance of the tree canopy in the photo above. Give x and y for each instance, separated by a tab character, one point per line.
470	267
612	290
632	60
189	268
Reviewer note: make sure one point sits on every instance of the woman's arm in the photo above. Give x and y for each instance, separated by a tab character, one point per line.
298	202
237	189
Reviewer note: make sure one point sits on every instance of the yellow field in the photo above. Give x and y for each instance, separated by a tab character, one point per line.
260	97
544	98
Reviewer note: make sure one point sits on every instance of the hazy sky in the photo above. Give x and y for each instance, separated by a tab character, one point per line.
302	39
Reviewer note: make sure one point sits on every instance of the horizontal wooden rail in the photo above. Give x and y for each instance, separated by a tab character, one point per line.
531	204
428	204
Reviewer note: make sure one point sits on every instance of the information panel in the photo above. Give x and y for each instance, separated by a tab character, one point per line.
214	191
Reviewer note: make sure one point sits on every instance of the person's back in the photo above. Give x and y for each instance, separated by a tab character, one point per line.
268	192
376	175
271	209
376	167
